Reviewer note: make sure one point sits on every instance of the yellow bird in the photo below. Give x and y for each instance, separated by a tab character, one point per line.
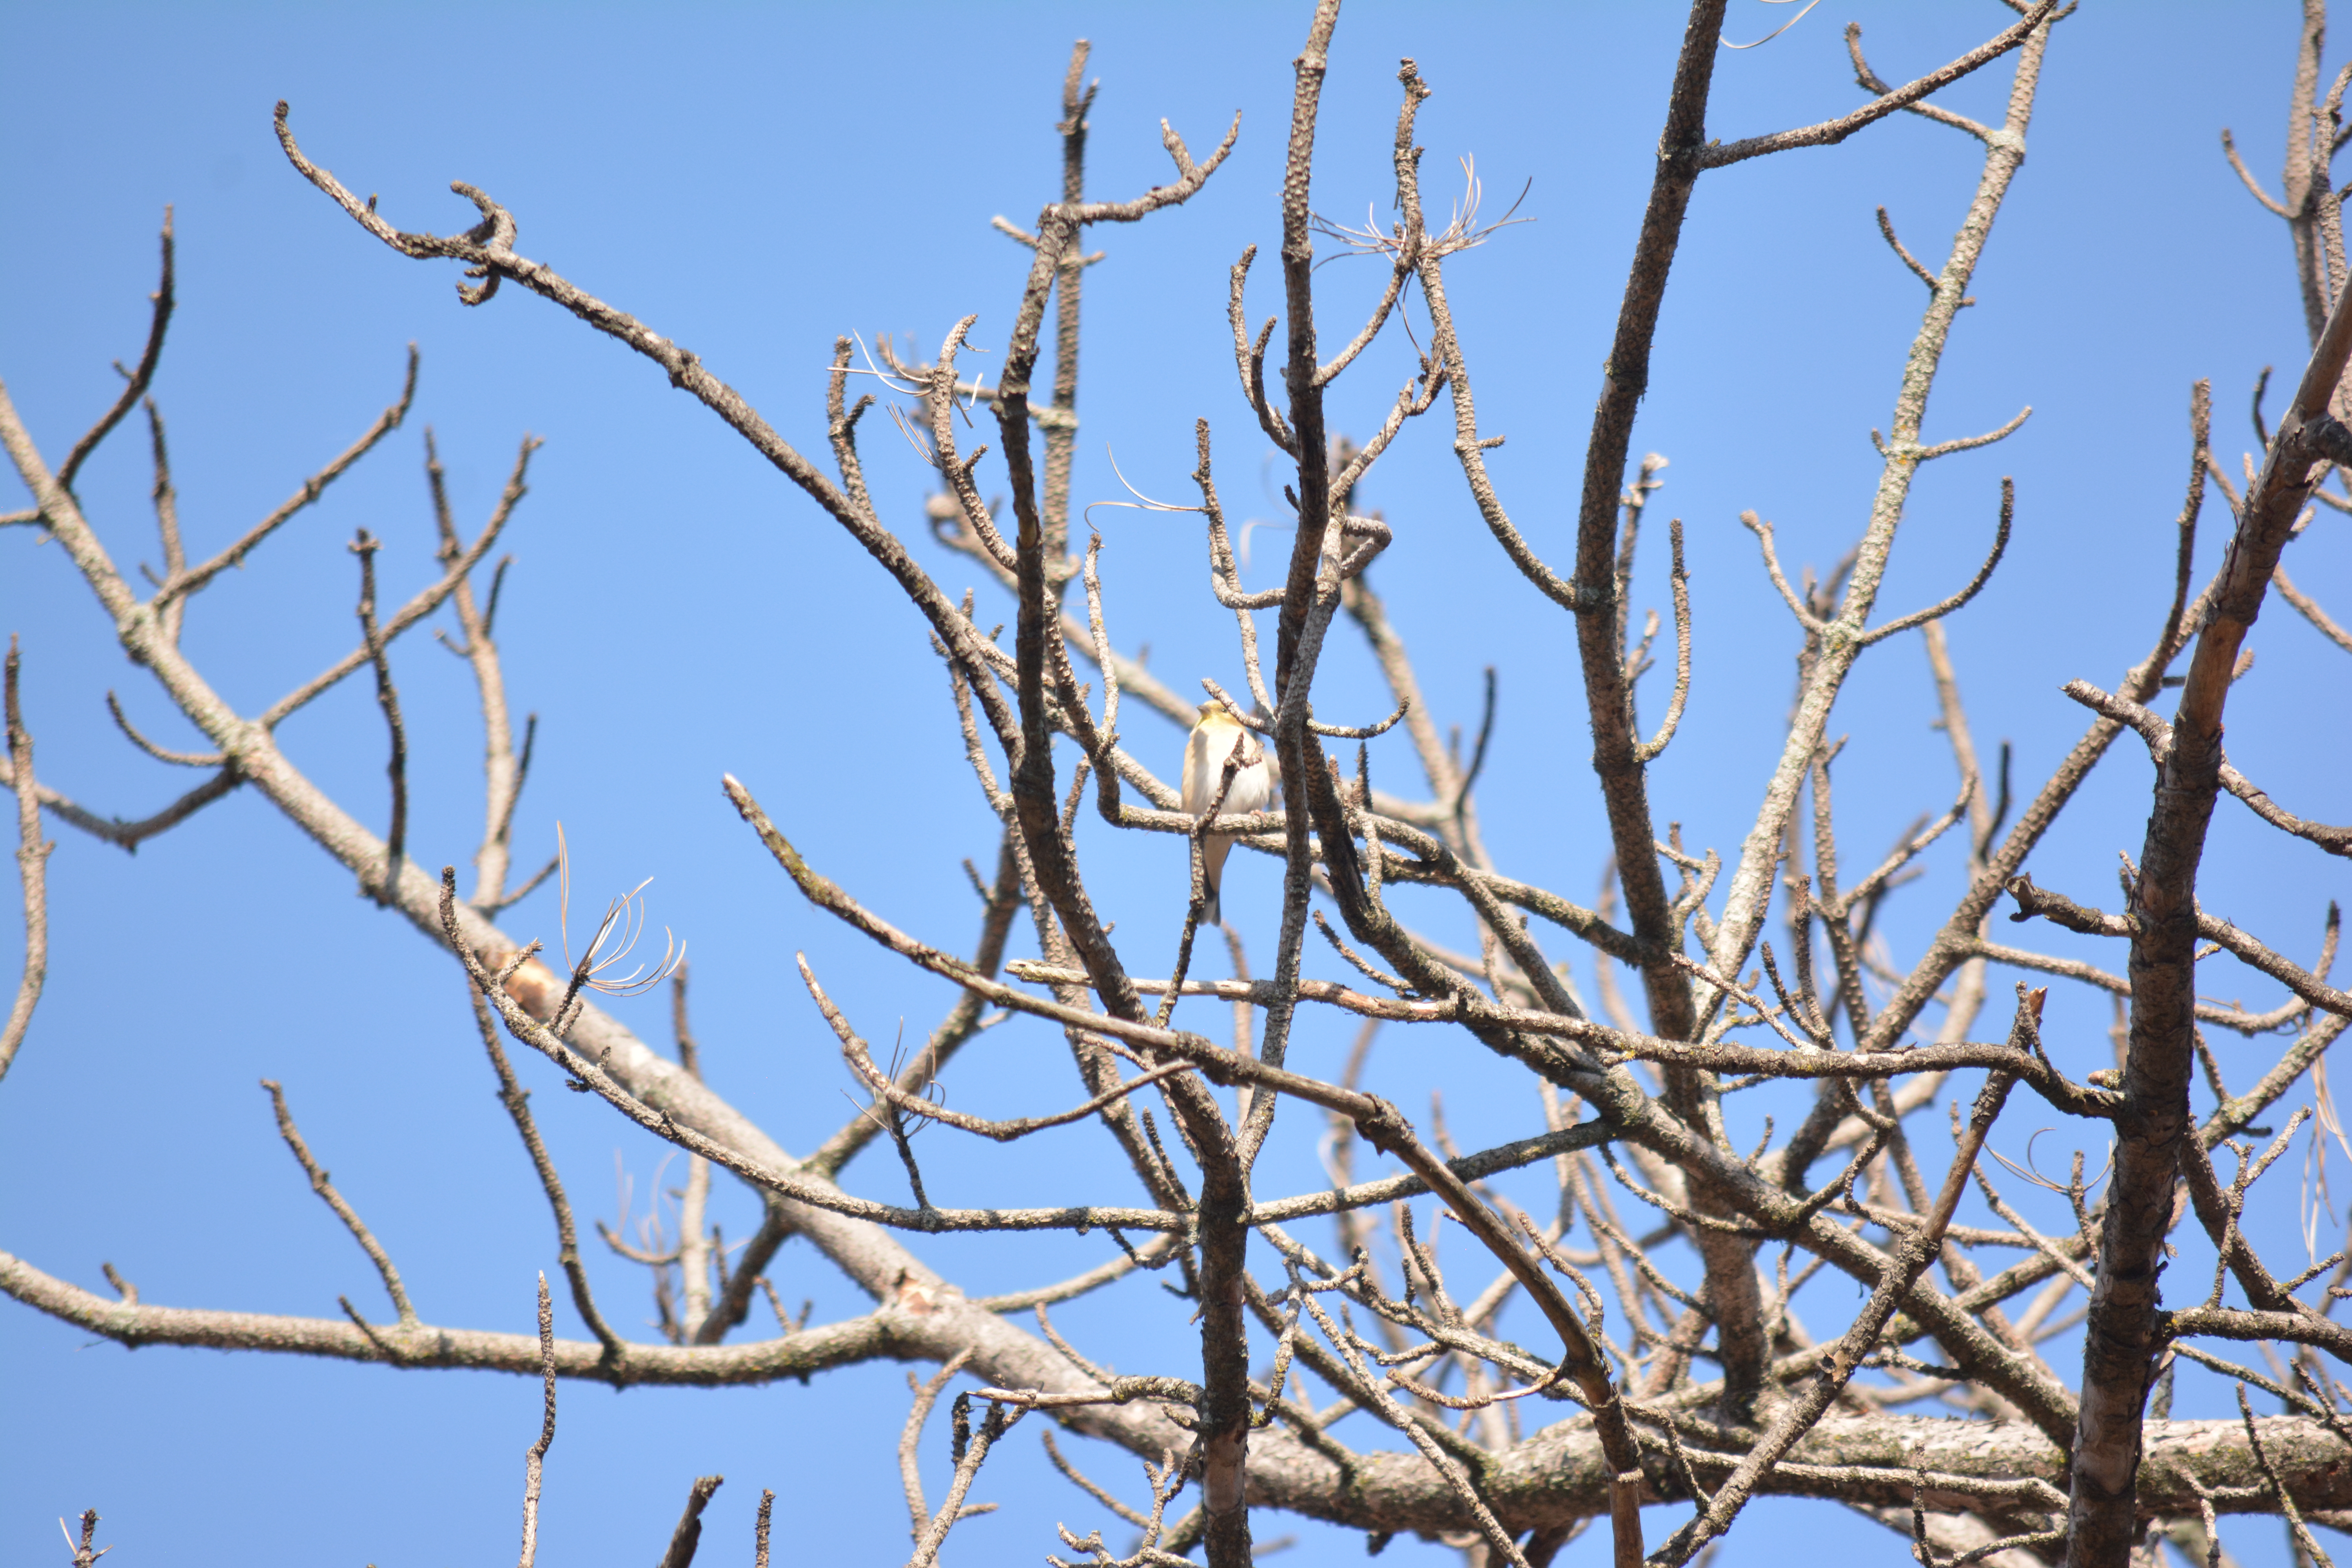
1213	741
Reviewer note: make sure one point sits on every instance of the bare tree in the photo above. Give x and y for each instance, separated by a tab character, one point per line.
1357	1381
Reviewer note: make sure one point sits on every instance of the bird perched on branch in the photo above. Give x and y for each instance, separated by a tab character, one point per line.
1213	740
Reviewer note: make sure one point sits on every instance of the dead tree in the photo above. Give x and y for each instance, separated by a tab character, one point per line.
1587	1357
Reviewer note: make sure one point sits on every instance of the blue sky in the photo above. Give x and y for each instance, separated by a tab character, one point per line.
751	180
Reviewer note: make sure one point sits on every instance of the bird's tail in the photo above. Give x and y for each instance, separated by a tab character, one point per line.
1213	850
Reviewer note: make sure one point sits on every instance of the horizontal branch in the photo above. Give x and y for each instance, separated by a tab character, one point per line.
1829	133
2236	1018
2063	1093
129	835
2304	1328
788	1184
1554	1478
2153	729
1469	1167
2060	909
795	1355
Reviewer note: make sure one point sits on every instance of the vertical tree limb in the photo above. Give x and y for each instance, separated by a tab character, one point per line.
2122	1336
32	870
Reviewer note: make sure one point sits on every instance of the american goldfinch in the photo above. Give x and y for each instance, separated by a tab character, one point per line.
1212	741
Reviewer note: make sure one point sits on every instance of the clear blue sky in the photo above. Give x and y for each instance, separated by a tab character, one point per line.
751	180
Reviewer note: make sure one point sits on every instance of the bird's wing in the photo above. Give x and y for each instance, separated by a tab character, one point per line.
1196	788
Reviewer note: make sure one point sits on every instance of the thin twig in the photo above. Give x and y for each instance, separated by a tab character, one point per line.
534	1457
388	698
343	1210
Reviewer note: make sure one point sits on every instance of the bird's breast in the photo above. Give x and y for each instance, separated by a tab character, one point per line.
1253	788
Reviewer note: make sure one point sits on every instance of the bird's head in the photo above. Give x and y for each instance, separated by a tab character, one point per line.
1216	716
